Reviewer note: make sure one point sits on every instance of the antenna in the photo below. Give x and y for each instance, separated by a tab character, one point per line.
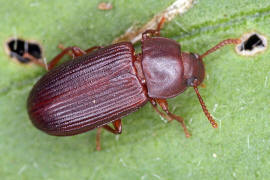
207	114
220	45
196	81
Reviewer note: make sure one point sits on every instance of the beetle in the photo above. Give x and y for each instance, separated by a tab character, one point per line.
103	84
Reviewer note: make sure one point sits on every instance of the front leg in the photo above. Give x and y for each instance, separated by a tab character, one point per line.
169	116
153	32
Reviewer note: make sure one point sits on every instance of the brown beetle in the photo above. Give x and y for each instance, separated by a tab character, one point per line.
99	87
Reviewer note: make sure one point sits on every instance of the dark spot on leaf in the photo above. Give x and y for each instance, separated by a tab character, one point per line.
17	48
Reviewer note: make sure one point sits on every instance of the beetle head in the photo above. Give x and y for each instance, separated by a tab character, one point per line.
193	68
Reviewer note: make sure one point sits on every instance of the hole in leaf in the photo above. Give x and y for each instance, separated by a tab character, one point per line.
252	44
16	48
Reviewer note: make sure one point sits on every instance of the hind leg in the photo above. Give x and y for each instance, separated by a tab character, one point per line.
73	51
117	130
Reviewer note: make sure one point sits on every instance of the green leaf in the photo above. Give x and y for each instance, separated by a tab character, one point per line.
237	94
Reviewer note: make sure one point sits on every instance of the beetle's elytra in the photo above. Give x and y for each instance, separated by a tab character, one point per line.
87	93
99	87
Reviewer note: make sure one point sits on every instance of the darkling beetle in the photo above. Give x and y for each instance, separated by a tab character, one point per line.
102	84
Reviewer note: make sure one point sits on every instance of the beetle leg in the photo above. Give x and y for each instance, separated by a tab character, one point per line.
93	48
72	54
149	33
62	47
72	51
117	127
169	116
33	59
154	32
76	51
117	130
154	104
98	146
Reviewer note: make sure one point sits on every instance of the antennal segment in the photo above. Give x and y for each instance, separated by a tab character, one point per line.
219	45
207	114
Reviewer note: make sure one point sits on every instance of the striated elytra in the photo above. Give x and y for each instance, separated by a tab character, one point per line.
102	84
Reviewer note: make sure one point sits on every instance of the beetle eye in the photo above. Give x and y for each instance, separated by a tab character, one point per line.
196	56
190	81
